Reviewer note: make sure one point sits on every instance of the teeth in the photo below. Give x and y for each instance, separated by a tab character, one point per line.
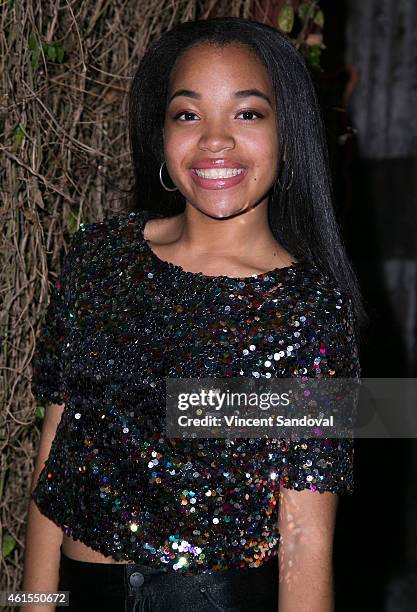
218	172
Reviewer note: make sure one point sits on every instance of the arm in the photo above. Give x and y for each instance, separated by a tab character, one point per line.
306	522
316	470
43	537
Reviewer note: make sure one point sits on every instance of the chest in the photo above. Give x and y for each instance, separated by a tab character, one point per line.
130	322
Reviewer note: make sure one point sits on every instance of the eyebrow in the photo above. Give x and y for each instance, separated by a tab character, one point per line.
244	93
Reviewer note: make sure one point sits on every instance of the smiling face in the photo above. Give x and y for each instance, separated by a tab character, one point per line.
220	131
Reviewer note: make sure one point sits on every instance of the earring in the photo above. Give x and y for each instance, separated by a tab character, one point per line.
161	179
290	183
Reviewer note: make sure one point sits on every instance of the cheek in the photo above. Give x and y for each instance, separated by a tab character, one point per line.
264	153
176	146
260	146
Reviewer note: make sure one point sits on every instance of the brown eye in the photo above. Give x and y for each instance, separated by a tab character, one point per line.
252	115
186	113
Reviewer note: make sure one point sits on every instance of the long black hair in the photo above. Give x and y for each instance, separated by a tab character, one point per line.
301	218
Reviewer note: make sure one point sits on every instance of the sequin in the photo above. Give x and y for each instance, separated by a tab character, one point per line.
120	320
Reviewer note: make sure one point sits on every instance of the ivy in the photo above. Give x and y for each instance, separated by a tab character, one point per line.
313	55
72	223
19	134
54	51
40	412
36	50
286	18
319	19
305	11
8	544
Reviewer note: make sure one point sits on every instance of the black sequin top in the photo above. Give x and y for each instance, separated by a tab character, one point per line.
119	321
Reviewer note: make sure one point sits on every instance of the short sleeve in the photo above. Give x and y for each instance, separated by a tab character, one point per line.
47	364
324	464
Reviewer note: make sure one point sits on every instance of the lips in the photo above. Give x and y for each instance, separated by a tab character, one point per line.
219	173
219	178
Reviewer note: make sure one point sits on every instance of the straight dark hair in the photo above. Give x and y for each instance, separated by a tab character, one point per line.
302	218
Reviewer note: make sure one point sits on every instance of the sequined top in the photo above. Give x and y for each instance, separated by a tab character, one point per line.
119	321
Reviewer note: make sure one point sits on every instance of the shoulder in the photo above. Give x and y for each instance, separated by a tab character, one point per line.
97	249
321	319
92	238
329	316
316	299
117	226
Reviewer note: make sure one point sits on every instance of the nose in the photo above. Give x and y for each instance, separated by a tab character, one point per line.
216	137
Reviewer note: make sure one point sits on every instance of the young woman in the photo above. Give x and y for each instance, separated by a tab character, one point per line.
231	265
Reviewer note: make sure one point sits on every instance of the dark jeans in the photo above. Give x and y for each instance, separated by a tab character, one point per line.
127	587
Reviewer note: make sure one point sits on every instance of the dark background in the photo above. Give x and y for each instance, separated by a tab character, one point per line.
369	96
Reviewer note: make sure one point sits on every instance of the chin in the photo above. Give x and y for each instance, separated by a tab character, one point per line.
222	211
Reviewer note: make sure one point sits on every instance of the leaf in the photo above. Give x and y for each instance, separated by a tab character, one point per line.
55	51
51	52
319	19
35	47
7	544
72	223
60	52
304	11
313	55
19	135
286	18
33	41
40	412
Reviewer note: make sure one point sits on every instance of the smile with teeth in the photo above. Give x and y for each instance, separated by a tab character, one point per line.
218	173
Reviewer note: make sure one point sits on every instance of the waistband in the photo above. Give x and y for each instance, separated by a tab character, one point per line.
121	571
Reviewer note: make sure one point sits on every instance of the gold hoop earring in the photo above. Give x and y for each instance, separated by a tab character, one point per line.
162	182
